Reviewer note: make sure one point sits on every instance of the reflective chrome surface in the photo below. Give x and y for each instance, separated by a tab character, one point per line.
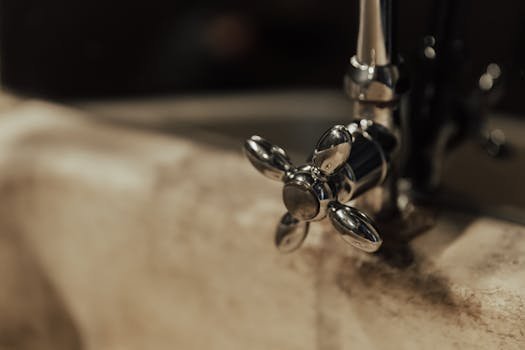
306	195
290	233
272	161
301	201
347	162
374	84
371	43
355	227
371	77
332	150
369	83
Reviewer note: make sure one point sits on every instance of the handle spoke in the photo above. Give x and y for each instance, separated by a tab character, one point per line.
332	150
272	161
355	227
290	233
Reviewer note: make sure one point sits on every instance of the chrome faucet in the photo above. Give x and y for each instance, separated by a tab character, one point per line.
358	162
372	84
347	162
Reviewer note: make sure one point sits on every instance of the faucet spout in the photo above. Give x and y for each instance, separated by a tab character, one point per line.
371	40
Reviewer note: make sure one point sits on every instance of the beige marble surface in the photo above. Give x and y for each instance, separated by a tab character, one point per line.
113	238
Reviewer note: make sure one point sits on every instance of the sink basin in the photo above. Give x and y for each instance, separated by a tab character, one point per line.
127	238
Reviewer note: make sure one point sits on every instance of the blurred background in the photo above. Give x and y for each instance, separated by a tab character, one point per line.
64	49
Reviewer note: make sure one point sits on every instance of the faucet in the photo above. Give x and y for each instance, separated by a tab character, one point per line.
352	175
372	82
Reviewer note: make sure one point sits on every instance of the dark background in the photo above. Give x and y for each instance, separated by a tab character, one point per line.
64	48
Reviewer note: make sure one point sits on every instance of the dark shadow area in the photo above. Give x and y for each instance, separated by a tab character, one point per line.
400	272
397	233
396	250
98	48
396	275
429	290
